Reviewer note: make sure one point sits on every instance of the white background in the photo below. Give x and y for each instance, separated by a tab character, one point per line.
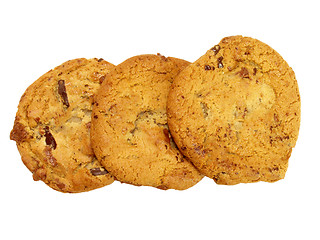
39	35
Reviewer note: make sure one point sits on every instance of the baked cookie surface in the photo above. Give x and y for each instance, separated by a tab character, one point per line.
129	131
235	112
52	126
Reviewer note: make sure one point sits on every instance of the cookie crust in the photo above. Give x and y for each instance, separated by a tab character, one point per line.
235	112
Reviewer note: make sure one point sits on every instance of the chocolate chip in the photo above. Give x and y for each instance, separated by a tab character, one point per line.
98	171
63	93
245	111
18	133
39	174
163	187
254	71
60	185
244	73
95	116
216	49
50	141
207	67
100	59
49	157
220	65
162	57
101	79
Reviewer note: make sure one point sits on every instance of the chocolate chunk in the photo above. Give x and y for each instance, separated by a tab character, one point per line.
88	125
63	93
101	79
49	157
98	171
254	71
18	133
60	185
162	57
220	65
207	67
50	141
245	111
244	73
39	174
163	187
216	49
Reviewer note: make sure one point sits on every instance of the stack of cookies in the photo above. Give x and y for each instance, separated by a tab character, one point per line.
233	116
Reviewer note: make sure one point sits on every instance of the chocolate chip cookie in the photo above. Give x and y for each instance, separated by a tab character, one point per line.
235	112
52	126
129	131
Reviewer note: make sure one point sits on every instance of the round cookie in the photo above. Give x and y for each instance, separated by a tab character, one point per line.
52	126
129	131
235	112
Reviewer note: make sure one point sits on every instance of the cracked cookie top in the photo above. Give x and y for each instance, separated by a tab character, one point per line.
235	112
129	131
52	126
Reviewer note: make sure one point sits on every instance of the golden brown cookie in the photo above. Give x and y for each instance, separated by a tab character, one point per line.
52	126
235	112
129	131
